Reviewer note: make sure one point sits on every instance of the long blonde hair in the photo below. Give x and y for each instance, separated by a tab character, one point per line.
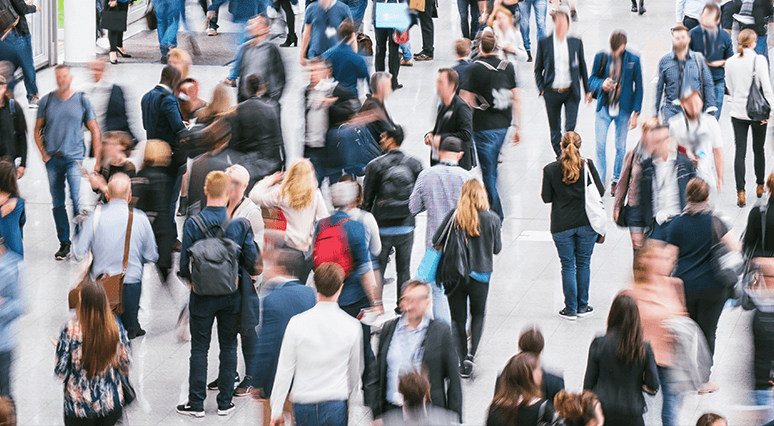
99	331
472	200
297	186
221	104
570	158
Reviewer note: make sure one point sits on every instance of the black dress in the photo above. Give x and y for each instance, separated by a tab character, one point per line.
149	189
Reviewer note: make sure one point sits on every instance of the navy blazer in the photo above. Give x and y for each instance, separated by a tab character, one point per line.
281	304
115	116
544	65
631	82
642	214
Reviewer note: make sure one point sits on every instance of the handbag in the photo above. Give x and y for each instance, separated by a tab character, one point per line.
454	265
150	17
758	108
113	20
622	222
392	16
727	264
428	266
113	284
129	393
595	207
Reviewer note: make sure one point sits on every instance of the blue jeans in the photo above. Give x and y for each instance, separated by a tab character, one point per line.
168	17
59	169
602	125
5	373
204	310
720	91
488	144
469	29
329	413
234	73
23	46
763	398
670	408
357	8
540	19
441	311
405	49
761	47
249	336
132	292
575	247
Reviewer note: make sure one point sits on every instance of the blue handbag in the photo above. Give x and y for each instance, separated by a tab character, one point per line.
392	16
428	267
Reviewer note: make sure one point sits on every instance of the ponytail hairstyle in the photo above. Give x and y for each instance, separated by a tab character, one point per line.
473	199
624	320
576	409
570	159
99	329
746	38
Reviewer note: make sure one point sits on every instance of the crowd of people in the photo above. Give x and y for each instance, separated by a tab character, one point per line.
266	259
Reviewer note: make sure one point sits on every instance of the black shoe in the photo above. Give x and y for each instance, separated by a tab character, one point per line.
291	39
244	388
226	411
213	385
139	332
64	250
421	56
529	56
574	15
634	7
466	369
568	314
164	59
396	87
124	54
187	410
642	7
585	312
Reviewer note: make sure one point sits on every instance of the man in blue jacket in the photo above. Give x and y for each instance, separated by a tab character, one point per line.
715	44
616	81
282	297
663	181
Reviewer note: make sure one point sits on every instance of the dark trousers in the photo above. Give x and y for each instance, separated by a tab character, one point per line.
690	22
329	413
613	419
428	31
368	354
116	39
249	338
759	158
705	308
204	310
5	373
131	306
289	15
469	27
385	42
476	292
319	159
403	245
554	102
108	420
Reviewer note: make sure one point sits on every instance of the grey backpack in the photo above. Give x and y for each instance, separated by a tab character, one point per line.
214	261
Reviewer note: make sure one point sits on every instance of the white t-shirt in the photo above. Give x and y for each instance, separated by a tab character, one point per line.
699	138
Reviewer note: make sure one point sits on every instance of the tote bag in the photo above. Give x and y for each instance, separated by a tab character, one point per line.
392	16
428	267
595	207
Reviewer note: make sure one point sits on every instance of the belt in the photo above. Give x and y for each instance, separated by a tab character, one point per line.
562	90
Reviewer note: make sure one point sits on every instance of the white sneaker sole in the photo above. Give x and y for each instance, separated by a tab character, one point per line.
226	412
197	414
575	318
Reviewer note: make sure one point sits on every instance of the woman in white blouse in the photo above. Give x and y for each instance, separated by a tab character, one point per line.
740	71
301	202
510	45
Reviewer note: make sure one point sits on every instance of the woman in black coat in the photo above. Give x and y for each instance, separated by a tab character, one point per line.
117	10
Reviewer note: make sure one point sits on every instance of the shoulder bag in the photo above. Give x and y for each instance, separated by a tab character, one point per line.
595	207
622	213
428	267
113	284
454	265
758	108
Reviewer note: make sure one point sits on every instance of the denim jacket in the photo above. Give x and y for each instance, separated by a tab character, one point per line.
643	212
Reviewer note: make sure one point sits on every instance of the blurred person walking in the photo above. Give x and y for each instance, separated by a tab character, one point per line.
481	230
583	409
417	410
531	341
716	46
574	238
519	399
296	194
21	40
454	118
13	131
621	365
13	214
11	309
92	359
741	70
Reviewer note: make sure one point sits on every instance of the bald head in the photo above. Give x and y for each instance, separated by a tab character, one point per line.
120	187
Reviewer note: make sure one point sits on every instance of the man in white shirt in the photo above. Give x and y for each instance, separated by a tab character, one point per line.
700	137
322	356
688	12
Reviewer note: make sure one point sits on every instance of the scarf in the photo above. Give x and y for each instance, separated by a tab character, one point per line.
697	208
615	75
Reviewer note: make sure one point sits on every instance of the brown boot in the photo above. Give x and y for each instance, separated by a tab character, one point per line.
740	201
759	191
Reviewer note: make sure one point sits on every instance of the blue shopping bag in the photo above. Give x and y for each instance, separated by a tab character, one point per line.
393	16
428	267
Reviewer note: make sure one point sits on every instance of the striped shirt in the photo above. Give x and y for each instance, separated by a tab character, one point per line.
675	76
437	190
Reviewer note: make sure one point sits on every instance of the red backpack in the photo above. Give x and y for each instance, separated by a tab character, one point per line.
331	245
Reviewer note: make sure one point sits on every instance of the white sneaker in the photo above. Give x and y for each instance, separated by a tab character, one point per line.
212	32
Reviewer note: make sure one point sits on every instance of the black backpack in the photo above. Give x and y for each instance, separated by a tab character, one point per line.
214	261
8	18
397	184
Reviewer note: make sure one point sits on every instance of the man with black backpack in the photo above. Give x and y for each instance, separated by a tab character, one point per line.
389	180
214	249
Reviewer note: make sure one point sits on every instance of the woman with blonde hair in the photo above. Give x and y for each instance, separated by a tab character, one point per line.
295	193
481	228
510	46
740	71
181	60
564	183
92	358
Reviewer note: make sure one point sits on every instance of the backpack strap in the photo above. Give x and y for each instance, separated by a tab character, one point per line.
127	240
763	208
223	227
202	227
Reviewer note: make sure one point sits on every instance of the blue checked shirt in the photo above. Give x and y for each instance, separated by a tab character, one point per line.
437	190
675	76
404	355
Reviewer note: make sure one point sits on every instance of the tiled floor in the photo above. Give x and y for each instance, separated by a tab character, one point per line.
525	288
